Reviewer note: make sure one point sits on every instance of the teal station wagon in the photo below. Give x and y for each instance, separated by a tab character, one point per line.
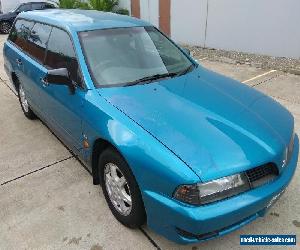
194	154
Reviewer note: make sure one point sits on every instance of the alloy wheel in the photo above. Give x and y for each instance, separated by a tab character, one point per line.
118	189
5	27
23	99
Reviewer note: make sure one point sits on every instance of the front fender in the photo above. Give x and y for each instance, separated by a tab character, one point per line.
154	166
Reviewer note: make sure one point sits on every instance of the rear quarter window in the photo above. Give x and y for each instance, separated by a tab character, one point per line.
20	33
49	6
25	7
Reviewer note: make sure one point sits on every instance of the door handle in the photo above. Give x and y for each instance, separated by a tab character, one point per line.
44	81
19	61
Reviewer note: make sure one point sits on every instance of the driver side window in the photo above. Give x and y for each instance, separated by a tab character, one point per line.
61	54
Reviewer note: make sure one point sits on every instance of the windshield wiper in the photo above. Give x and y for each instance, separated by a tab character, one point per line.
151	78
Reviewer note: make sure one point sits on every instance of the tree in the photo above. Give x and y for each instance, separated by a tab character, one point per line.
104	5
67	4
82	5
101	5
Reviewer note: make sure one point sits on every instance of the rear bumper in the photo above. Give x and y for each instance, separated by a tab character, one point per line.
166	215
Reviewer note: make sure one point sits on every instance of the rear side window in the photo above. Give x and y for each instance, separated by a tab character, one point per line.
61	54
20	33
38	41
37	6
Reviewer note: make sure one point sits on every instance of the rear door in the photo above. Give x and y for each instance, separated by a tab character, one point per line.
18	45
34	69
27	53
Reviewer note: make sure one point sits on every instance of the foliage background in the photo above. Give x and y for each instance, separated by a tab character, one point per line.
101	5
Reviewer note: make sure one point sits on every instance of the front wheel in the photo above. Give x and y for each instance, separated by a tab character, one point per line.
5	27
24	103
120	189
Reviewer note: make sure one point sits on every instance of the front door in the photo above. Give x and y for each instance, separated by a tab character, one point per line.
64	109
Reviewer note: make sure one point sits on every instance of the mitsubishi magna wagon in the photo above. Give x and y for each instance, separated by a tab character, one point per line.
194	154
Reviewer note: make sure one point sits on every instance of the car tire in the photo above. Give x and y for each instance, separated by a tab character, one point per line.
5	27
24	103
119	188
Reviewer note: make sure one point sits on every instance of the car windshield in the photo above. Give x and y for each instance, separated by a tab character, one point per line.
127	56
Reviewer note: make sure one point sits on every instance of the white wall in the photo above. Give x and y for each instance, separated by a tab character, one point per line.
268	27
149	10
188	19
125	4
7	5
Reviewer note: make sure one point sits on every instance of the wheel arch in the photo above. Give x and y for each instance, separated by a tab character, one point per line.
99	146
15	80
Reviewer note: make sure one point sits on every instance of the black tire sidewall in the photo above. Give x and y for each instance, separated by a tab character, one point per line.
137	215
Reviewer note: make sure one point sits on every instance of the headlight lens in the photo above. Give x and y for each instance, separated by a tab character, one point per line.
203	193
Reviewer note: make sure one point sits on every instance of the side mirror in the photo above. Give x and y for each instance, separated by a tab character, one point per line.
187	51
60	77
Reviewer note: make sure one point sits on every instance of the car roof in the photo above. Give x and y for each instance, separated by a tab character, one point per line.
81	20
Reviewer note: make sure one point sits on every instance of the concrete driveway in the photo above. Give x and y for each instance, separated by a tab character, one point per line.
47	200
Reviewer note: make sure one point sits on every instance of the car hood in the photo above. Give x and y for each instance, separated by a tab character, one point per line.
216	125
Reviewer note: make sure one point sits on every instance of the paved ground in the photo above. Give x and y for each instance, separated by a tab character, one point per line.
288	65
47	200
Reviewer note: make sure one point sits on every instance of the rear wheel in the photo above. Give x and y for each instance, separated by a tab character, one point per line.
5	27
120	189
24	103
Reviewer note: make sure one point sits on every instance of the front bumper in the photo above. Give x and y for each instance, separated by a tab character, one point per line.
166	215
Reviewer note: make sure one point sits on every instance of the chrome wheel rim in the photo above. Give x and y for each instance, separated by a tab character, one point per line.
117	188
5	27
23	99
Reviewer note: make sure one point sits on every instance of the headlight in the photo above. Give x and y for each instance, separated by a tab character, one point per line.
203	193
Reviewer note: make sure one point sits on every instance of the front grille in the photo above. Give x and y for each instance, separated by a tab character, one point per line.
208	235
262	174
197	236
